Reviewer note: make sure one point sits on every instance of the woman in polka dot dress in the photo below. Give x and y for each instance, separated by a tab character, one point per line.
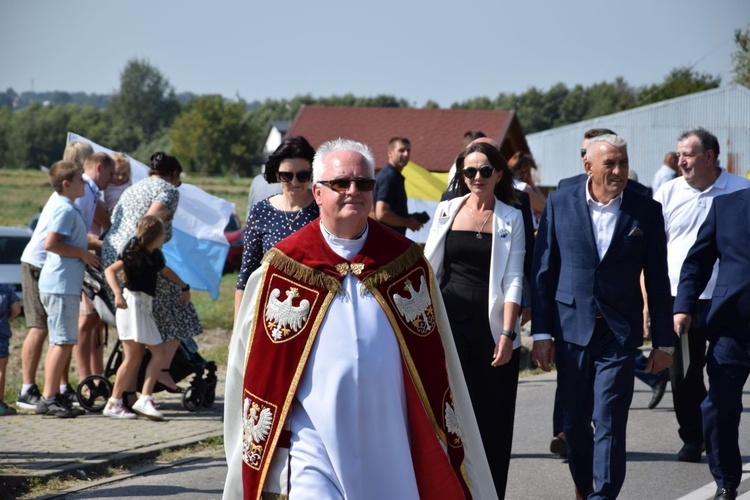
157	195
275	218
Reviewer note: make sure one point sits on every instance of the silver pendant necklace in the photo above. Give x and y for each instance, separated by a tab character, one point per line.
291	221
479	228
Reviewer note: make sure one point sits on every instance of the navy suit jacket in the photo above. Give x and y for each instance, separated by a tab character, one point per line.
570	283
724	235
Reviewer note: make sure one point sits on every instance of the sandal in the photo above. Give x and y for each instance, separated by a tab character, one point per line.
172	390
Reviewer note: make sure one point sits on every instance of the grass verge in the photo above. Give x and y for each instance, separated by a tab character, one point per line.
212	447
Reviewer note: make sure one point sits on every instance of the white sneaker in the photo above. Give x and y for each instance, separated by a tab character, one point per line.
116	409
145	407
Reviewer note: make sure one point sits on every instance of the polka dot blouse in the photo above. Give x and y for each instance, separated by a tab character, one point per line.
267	226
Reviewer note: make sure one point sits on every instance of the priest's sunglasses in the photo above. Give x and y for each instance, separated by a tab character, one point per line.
342	185
303	176
485	171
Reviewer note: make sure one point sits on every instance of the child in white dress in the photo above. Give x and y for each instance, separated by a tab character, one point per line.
138	264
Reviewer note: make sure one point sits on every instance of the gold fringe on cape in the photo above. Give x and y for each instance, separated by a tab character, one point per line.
301	272
394	268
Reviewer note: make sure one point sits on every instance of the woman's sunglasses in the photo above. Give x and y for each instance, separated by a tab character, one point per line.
342	185
485	171
303	176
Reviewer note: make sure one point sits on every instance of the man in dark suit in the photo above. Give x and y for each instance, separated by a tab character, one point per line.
592	244
724	235
657	381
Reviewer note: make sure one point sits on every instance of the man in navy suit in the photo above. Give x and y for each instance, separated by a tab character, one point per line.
592	244
724	235
657	381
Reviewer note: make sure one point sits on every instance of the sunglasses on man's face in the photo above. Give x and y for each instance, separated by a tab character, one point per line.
342	185
583	152
303	176
485	171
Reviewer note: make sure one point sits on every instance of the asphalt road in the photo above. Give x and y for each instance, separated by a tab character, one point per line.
653	470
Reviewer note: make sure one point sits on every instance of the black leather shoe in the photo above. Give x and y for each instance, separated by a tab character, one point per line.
657	391
558	446
691	452
725	494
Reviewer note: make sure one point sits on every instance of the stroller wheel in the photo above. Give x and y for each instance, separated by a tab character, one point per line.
210	395
93	392
192	399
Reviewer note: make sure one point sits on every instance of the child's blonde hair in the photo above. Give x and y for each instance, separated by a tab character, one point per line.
77	152
148	228
122	159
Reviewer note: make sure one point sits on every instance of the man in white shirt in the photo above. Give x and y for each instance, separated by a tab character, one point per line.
666	172
685	203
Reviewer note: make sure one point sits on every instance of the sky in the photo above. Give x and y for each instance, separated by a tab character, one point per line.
446	51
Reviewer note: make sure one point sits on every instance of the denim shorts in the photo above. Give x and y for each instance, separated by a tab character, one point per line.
4	345
62	317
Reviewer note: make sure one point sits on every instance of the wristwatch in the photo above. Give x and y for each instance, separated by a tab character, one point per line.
186	288
668	350
509	333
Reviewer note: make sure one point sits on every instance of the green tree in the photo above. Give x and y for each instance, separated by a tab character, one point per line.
144	104
6	125
741	58
606	98
679	82
573	107
213	136
38	135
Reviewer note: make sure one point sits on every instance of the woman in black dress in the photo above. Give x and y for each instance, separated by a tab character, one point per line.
476	247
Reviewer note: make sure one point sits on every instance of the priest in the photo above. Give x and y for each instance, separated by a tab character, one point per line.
343	380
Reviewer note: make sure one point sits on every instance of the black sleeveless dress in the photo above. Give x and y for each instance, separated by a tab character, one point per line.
465	289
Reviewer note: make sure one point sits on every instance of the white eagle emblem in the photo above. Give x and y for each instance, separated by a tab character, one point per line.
256	424
282	316
417	309
451	420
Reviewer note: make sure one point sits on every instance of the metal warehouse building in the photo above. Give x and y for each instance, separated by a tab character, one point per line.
652	131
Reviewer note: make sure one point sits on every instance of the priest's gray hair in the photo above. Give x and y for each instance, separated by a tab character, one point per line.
341	145
612	139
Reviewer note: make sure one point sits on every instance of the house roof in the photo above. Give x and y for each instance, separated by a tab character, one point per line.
436	134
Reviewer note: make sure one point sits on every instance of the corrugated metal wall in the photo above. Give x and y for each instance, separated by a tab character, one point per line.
652	131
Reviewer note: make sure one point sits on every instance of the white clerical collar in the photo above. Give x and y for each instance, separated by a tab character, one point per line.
343	247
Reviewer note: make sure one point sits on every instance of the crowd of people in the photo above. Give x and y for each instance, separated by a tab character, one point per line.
343	325
98	220
597	266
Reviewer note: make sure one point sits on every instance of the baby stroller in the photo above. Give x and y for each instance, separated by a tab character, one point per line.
94	391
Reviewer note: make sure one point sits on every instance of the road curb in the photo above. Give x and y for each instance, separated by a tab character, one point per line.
14	484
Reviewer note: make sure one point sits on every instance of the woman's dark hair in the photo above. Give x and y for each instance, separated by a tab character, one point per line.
295	146
504	190
164	165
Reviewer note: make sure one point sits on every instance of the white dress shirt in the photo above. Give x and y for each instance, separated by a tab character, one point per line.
603	220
